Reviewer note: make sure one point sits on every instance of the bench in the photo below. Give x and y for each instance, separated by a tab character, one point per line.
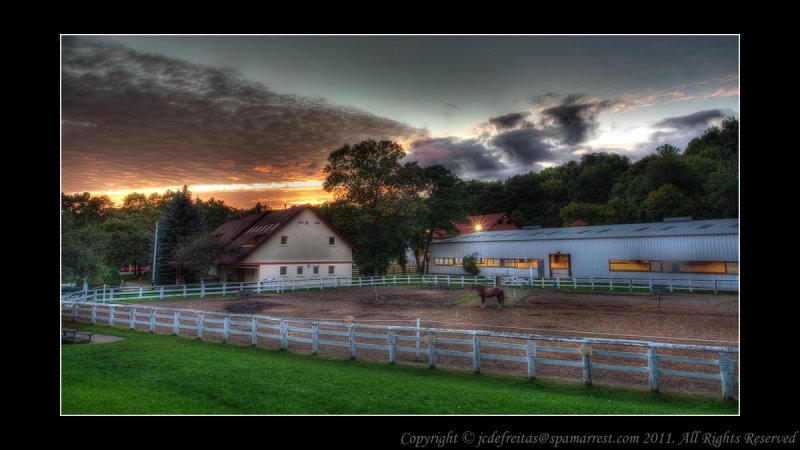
245	293
72	336
659	290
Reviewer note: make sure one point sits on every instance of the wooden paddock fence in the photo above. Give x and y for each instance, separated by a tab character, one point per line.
109	295
653	363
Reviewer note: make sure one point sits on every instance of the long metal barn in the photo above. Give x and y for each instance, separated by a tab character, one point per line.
674	249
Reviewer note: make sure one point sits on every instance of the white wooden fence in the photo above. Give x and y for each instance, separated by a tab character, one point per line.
110	295
629	284
656	360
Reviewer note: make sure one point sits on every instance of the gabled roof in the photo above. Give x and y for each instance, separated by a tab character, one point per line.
689	228
488	222
255	230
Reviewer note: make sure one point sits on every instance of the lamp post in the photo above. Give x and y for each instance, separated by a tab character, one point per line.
155	251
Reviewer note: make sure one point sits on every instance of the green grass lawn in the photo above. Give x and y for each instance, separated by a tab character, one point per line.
155	374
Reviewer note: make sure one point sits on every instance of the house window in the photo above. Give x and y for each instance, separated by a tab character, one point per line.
299	270
283	270
331	240
284	240
316	270
331	269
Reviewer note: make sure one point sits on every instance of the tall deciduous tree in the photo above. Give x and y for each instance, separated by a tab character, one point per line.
201	252
366	182
182	220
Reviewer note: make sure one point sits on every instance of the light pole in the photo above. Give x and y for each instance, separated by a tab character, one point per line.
155	251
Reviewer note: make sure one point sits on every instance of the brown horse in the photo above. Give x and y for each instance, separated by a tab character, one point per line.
490	292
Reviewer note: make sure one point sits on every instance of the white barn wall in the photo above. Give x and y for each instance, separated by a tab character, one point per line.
307	246
589	257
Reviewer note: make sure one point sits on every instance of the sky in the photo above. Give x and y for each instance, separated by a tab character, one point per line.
251	119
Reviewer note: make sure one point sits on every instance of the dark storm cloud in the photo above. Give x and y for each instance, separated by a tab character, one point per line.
692	121
575	118
462	156
525	145
131	119
678	131
539	99
509	120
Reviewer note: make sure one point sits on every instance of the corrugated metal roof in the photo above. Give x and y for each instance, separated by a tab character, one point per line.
689	228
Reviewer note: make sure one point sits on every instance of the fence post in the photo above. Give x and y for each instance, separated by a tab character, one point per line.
391	342
133	319
476	353
690	285
94	314
431	349
351	339
592	283
241	285
152	320
111	316
200	326
586	356
226	323
611	284
284	335
574	283
140	293
94	296
652	368
314	338
254	332
176	324
202	289
715	287
417	354
630	284
258	287
448	280
462	280
184	291
670	285
726	374
111	295
558	282
224	288
161	293
530	351
292	285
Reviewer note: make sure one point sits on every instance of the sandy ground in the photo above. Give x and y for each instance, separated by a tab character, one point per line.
681	318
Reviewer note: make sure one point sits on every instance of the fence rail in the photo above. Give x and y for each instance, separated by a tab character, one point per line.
528	351
625	284
110	295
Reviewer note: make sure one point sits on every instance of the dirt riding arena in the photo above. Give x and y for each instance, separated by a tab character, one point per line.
682	318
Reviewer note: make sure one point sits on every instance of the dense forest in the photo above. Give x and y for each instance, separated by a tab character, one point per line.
386	207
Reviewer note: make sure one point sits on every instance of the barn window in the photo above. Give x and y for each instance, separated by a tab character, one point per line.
701	267
284	240
629	265
331	270
559	261
299	270
331	240
283	270
316	270
661	266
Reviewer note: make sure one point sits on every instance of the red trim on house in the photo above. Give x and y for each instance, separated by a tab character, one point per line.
292	262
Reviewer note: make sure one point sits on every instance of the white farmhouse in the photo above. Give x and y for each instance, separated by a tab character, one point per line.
290	244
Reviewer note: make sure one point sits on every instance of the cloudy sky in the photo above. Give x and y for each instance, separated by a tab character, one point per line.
253	118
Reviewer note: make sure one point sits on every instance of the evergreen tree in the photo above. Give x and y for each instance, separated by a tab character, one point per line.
183	219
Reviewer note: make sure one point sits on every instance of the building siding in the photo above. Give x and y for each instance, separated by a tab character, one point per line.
589	257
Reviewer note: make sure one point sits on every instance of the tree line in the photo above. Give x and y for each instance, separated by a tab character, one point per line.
390	210
98	238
